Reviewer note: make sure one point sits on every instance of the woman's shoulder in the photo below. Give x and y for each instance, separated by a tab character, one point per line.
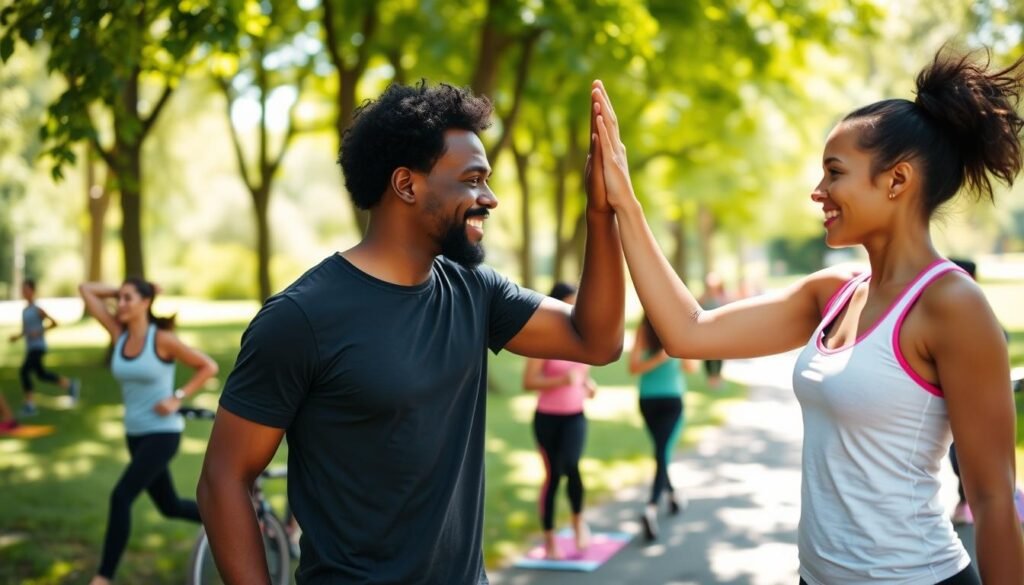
951	294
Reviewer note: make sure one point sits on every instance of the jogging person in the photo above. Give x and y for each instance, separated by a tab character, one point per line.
560	429
34	323
143	362
374	362
892	359
662	387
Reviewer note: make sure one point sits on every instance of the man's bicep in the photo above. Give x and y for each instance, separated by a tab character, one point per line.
240	447
549	333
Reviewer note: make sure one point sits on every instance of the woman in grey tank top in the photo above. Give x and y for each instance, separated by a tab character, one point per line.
143	361
876	431
35	321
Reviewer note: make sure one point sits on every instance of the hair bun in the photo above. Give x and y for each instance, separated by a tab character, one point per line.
977	109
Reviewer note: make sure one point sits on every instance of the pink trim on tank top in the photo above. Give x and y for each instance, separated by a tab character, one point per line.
931	388
821	335
839	292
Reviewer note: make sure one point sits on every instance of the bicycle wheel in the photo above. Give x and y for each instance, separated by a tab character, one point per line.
203	571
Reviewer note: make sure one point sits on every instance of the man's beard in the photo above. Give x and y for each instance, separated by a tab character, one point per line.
456	247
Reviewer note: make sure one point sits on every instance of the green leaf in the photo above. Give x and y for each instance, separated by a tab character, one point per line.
6	47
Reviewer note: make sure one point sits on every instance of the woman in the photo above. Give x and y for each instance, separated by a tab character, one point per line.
714	296
561	431
661	404
894	358
143	362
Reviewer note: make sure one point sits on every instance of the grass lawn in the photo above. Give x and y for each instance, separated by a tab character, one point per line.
55	488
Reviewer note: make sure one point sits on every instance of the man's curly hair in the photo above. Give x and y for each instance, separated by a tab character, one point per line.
404	127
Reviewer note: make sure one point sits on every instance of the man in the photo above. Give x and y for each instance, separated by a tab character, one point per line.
374	362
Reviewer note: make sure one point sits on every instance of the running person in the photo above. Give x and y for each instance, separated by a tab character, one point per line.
375	361
892	359
34	323
560	429
662	387
143	362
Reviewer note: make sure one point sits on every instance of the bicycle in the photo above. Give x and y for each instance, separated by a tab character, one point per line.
201	568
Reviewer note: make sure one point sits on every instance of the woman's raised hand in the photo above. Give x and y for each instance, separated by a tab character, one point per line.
617	185
593	173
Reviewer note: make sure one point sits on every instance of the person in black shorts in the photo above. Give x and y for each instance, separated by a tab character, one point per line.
374	362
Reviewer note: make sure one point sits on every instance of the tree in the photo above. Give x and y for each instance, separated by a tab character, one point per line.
273	55
121	60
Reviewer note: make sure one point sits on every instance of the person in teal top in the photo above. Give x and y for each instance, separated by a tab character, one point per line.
662	387
34	323
143	362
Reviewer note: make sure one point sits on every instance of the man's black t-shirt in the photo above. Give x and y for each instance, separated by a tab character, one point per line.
382	390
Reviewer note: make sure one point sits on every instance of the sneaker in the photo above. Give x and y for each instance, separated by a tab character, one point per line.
649	520
8	425
962	514
75	390
28	409
676	504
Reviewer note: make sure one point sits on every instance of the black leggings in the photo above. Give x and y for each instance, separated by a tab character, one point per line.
966	577
560	438
664	418
147	470
713	367
33	364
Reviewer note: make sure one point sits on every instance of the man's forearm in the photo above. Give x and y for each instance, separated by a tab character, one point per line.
598	316
233	531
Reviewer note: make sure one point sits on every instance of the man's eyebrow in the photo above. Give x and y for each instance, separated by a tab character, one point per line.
484	169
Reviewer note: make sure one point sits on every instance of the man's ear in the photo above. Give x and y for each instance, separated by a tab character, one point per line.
402	184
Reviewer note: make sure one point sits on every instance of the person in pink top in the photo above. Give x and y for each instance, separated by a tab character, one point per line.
561	431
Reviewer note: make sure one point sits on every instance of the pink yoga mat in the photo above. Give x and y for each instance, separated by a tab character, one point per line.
603	546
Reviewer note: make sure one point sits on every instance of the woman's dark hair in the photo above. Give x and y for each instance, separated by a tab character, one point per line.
404	127
962	127
653	341
562	291
147	290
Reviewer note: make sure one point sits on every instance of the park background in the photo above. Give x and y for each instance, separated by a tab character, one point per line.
195	142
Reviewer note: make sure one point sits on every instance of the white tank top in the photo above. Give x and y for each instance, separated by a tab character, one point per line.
874	435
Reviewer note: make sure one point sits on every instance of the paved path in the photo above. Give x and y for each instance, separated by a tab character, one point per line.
743	483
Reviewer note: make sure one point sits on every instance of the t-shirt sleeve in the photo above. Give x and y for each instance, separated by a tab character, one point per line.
276	365
511	307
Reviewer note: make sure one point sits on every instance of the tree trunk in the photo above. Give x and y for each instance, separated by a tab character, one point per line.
741	263
129	176
98	200
492	42
561	176
578	242
570	160
348	77
525	252
346	109
706	229
261	205
681	249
